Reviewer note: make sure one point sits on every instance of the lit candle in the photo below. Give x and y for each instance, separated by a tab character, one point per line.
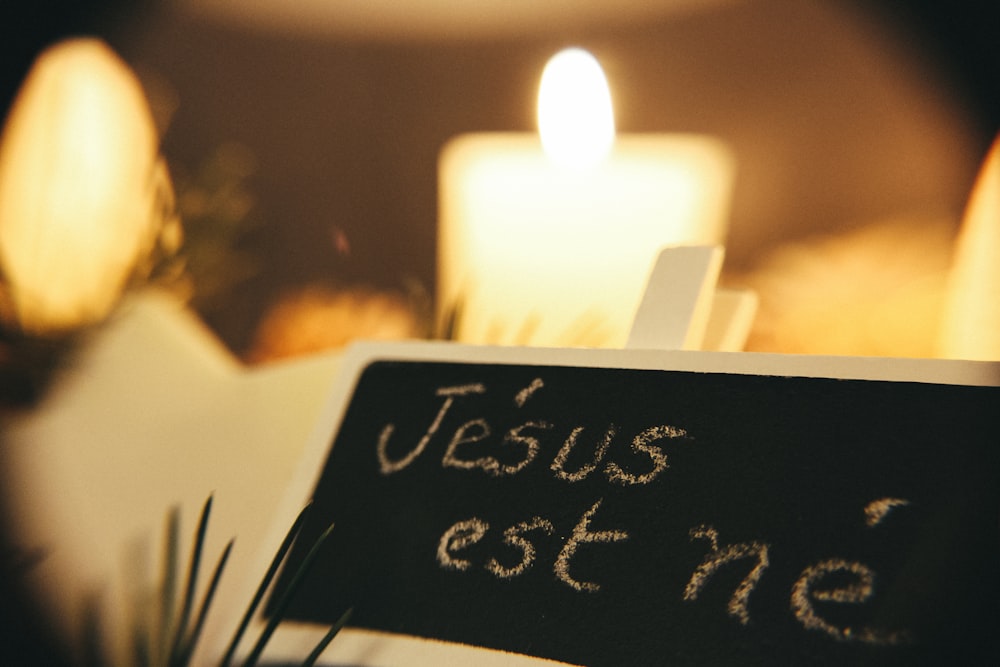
83	191
971	322
548	240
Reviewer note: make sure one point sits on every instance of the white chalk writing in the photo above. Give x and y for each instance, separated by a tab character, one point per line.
513	537
719	556
388	466
595	454
583	535
473	445
522	396
858	591
559	462
463	534
642	444
877	510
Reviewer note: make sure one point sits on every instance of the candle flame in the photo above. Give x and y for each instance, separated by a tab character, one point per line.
575	117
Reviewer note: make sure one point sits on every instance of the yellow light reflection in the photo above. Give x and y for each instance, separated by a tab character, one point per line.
79	179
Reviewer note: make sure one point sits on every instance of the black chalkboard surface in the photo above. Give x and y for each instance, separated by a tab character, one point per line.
643	509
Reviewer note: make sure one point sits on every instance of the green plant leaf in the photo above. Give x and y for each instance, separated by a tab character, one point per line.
163	635
93	648
183	655
327	638
168	593
192	579
282	605
265	582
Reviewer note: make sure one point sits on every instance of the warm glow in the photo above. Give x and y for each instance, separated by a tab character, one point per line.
575	118
971	326
531	253
81	187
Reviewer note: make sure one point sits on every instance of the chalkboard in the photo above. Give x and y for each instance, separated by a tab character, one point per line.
636	516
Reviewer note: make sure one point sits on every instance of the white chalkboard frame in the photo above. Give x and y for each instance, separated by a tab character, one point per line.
359	647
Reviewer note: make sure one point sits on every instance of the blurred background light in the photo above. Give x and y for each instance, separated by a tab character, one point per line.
843	115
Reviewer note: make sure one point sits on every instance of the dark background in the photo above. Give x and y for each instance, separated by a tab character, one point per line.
957	35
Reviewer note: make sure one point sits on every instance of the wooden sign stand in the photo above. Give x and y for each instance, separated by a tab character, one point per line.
682	309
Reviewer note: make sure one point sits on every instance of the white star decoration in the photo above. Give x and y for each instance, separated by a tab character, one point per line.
154	413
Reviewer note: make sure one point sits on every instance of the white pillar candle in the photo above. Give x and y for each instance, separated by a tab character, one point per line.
554	250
